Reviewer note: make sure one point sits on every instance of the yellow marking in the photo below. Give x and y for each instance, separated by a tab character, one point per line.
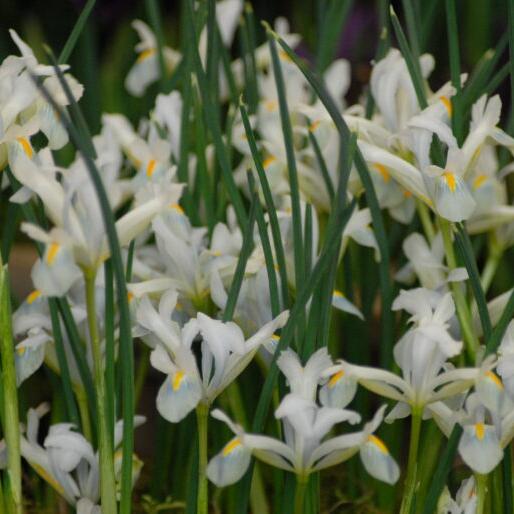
407	194
373	439
150	167
314	125
495	379
216	253
336	377
275	337
383	171
449	178
176	207
271	105
479	431
21	350
283	56
32	297
43	473
145	54
268	161
52	253
231	446
447	104
479	181
178	377
24	142
338	294
130	296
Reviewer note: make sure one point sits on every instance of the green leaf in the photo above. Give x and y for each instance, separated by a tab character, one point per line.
75	33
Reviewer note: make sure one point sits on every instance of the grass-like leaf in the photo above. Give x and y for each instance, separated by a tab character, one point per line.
126	347
75	33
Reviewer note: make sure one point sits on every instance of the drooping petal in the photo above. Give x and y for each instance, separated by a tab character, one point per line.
178	396
480	448
228	466
378	461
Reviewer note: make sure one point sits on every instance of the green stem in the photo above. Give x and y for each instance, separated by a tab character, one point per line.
107	480
202	413
11	421
481	481
412	465
142	372
491	265
299	497
463	311
426	222
84	412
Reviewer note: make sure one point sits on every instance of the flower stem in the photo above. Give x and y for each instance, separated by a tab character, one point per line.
412	465
481	481
202	413
11	422
491	265
299	498
84	412
463	311
107	480
426	222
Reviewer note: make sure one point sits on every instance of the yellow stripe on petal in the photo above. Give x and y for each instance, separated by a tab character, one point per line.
21	350
447	104
335	378
32	297
130	296
24	142
314	125
53	250
338	294
378	443
450	180
178	378
383	172
150	167
269	161
145	54
479	431
479	181
494	378
176	207
271	105
231	446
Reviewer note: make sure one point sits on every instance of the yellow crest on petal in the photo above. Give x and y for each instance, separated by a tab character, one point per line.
447	104
24	142
231	446
479	431
177	380
145	54
32	297
450	180
335	378
379	444
494	378
53	250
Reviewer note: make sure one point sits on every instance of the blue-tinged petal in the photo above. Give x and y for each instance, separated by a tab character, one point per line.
178	396
453	200
378	461
339	391
339	301
480	448
230	464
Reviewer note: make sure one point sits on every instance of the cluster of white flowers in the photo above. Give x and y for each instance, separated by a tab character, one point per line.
182	272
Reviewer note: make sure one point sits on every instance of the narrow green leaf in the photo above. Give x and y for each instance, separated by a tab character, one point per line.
126	347
453	47
213	122
110	376
75	33
71	407
11	420
332	27
443	469
268	198
412	63
322	165
237	280
411	19
466	250
387	320
287	130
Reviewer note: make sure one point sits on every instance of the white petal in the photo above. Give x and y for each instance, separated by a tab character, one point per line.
178	396
378	461
479	448
230	464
